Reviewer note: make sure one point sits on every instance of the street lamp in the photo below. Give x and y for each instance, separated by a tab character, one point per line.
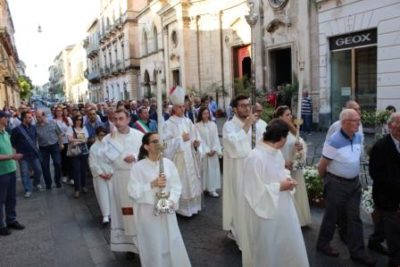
252	19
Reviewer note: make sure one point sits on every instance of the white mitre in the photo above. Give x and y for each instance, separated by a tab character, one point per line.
177	95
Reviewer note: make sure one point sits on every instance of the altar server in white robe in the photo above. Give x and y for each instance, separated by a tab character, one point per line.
289	150
211	149
237	141
273	226
183	143
102	173
122	149
159	238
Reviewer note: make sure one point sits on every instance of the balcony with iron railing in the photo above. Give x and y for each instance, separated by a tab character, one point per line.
93	76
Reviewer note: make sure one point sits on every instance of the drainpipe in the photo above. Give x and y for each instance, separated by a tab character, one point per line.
198	51
221	39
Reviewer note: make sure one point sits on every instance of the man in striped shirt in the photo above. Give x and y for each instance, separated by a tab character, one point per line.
306	113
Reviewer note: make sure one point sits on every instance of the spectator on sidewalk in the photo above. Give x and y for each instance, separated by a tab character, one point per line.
8	180
23	139
50	141
91	125
64	122
78	135
384	168
306	113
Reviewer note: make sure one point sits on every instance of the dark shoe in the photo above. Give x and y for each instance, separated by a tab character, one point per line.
58	185
366	260
16	225
4	231
378	247
328	251
48	187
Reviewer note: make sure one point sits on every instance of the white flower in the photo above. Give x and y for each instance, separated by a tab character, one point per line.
367	203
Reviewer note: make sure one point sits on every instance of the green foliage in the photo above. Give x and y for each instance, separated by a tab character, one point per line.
372	118
25	85
268	110
242	86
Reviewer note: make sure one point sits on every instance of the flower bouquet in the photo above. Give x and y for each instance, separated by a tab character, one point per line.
314	185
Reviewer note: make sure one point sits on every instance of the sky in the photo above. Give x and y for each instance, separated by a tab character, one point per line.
63	22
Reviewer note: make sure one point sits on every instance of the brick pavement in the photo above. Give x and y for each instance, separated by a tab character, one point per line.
63	231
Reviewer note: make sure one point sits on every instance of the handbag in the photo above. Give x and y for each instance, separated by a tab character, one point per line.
74	149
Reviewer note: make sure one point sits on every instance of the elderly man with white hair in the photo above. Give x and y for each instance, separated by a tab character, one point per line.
340	167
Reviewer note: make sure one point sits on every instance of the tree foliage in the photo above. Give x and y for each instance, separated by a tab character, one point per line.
25	85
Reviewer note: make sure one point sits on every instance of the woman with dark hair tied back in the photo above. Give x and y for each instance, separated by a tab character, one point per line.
289	150
211	148
102	173
159	239
78	135
273	225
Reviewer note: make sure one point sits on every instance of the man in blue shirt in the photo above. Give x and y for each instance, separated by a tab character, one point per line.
23	138
340	167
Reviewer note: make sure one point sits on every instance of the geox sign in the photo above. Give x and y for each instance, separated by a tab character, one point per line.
353	39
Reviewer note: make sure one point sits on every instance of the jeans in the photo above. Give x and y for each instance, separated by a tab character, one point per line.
79	168
8	198
54	152
65	163
25	166
307	123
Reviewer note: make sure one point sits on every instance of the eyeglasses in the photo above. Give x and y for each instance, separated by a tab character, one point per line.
244	105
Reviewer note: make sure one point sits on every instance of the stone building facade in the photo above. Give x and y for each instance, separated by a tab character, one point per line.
9	87
194	44
60	74
92	73
118	55
359	48
78	92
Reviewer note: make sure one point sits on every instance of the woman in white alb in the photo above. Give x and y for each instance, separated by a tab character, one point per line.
211	148
288	150
159	239
102	173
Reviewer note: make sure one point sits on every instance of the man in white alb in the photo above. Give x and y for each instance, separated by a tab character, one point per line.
122	149
237	139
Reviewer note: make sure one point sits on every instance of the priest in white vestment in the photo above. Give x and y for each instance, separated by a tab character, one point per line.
122	149
159	238
211	149
183	143
102	173
275	237
237	135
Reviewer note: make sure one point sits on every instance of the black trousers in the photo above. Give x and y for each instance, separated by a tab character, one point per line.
342	196
391	224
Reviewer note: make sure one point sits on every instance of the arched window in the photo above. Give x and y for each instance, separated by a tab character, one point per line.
155	39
